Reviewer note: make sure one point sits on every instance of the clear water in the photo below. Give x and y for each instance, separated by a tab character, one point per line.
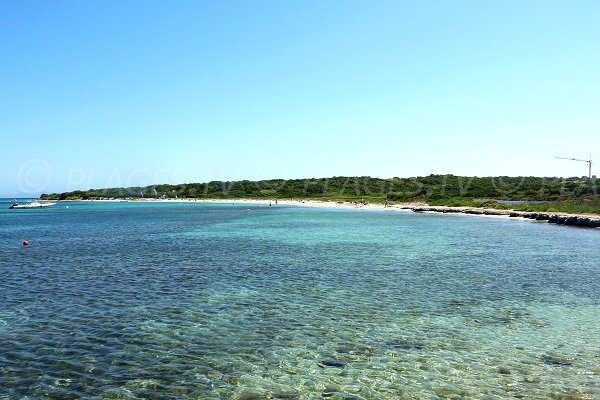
199	301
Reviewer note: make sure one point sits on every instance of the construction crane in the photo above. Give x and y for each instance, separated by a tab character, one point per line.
589	163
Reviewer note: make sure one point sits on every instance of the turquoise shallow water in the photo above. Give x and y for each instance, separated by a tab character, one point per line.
205	301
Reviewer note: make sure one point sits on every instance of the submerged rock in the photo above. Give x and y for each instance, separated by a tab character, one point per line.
556	360
249	395
332	363
406	345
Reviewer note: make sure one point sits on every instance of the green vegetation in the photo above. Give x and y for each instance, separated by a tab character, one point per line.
582	205
443	187
450	190
468	202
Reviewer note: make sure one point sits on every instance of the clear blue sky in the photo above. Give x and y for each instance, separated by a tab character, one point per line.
117	93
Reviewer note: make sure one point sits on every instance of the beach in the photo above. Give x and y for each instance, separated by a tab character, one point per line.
585	220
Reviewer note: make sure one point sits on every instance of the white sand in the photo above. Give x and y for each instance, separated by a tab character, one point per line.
404	207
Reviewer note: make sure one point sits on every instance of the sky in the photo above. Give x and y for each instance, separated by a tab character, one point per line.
98	94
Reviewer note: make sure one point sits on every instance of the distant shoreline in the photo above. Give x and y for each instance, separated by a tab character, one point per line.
577	220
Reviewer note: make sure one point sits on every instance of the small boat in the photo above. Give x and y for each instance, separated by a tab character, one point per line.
31	204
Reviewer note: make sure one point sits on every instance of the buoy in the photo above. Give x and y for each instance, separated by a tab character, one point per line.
25	242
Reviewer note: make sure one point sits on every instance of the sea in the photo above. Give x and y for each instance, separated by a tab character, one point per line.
143	300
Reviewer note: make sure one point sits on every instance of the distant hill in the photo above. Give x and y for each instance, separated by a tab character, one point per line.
423	188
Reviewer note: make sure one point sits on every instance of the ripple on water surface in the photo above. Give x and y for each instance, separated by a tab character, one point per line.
162	301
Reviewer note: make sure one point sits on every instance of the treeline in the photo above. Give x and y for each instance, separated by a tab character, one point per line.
427	188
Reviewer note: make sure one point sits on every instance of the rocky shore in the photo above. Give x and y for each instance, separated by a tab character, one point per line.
561	219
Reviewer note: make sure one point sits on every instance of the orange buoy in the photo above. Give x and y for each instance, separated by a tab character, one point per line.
25	242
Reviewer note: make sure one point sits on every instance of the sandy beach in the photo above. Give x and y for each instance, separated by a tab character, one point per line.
591	220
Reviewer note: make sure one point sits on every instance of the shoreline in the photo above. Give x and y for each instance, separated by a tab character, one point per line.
576	220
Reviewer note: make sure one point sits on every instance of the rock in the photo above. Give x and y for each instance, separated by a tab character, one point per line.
582	221
474	212
553	218
332	363
515	214
571	221
595	223
251	395
406	345
561	219
542	217
556	360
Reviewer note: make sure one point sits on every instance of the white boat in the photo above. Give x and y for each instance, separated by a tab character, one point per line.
31	204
